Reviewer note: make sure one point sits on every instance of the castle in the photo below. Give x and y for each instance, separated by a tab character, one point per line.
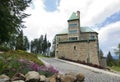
77	43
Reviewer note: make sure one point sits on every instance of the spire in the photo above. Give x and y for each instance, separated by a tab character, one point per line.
73	16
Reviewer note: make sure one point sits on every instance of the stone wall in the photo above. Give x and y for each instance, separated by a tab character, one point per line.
79	50
61	37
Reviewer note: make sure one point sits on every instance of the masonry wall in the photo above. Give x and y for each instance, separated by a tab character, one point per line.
78	51
61	37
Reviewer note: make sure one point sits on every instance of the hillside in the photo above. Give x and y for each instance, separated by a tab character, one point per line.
13	62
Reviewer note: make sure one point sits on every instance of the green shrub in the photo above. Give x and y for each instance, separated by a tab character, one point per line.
13	62
4	48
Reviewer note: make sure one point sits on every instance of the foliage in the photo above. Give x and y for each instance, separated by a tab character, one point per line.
2	48
22	42
11	15
101	53
83	62
110	60
52	54
117	51
116	68
40	45
13	62
17	42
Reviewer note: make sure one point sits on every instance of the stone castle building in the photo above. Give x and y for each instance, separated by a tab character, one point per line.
77	43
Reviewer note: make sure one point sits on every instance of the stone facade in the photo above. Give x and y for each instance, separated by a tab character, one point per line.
78	43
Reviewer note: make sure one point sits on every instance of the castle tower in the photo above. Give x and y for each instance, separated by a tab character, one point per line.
74	26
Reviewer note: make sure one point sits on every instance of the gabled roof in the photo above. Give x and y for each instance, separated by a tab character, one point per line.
73	16
82	29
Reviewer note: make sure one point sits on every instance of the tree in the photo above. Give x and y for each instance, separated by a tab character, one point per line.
44	45
22	42
40	45
34	46
110	60
101	54
117	51
25	43
19	41
11	16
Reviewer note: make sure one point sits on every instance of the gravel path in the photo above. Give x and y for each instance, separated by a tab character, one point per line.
90	75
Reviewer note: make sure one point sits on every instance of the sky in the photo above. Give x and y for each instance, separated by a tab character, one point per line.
50	17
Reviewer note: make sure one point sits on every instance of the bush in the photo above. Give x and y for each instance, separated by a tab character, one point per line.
13	62
4	48
83	62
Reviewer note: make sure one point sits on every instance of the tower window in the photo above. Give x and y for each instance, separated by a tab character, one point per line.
72	25
73	31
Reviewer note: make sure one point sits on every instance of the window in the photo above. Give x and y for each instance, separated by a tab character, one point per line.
74	47
73	31
72	25
92	36
73	38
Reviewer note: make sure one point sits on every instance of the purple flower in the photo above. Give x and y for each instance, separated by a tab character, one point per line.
52	69
35	67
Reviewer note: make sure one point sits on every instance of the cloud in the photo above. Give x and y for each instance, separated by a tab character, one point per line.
91	12
109	37
111	19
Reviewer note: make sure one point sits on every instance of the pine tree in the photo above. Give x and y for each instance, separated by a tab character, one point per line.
110	60
117	51
19	41
22	42
25	43
44	44
11	17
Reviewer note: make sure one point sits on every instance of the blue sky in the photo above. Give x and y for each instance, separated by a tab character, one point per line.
110	19
50	17
51	5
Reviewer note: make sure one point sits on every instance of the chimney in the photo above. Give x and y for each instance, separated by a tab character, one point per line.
78	14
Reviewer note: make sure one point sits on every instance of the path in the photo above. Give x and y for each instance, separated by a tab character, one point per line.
90	75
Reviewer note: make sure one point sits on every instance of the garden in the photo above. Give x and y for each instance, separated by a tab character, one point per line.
13	62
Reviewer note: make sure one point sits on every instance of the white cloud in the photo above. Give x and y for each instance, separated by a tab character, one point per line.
109	37
92	12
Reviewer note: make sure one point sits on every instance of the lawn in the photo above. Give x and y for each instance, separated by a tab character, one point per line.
116	68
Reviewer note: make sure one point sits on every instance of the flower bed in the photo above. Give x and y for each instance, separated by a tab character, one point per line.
21	62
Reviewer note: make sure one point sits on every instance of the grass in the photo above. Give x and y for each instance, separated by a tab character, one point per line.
115	68
19	61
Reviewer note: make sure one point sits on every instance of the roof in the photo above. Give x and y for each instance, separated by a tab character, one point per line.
83	29
86	29
73	16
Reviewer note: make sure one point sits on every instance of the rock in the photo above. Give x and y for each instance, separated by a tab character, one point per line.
4	78
59	77
80	77
32	76
52	78
69	78
18	76
42	78
18	81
